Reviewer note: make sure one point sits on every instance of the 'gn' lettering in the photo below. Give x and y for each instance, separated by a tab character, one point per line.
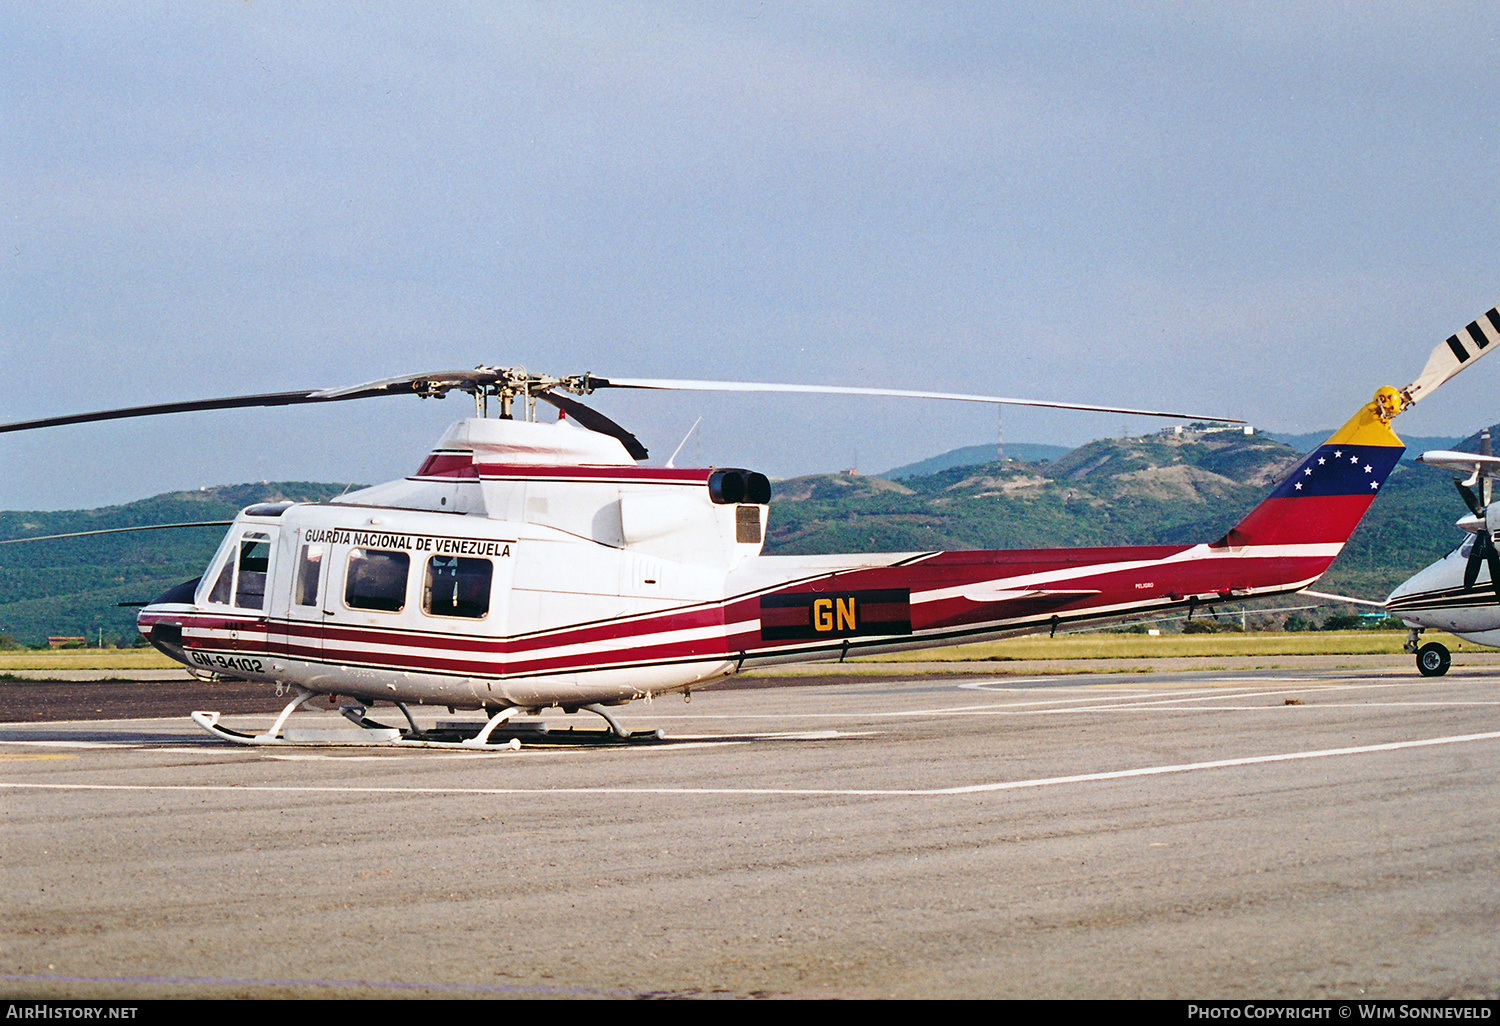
834	614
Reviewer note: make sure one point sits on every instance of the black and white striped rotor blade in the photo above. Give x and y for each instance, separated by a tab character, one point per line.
1481	336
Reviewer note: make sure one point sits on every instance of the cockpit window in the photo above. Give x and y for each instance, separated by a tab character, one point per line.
254	560
242	579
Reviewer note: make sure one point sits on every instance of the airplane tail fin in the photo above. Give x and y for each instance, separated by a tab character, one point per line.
1321	501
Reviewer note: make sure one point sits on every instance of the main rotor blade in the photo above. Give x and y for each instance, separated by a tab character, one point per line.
229	403
115	530
596	421
432	384
415	384
758	386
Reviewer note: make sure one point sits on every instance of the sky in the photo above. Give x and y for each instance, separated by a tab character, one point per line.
1259	210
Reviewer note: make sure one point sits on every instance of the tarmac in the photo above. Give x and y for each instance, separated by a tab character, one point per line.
1227	832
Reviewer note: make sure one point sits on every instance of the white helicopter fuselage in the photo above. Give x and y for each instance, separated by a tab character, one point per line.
530	565
475	583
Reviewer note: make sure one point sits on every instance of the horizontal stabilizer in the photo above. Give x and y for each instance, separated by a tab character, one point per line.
1341	598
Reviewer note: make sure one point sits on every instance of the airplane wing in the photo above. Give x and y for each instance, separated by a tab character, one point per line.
1471	463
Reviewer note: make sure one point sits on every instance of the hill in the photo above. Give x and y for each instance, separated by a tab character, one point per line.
72	587
1414	444
1031	452
1109	492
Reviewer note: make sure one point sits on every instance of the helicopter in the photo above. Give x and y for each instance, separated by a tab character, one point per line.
527	565
1459	593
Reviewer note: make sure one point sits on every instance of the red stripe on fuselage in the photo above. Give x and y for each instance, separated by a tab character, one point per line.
623	475
440	464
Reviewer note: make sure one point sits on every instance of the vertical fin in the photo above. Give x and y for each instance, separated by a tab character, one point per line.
1323	498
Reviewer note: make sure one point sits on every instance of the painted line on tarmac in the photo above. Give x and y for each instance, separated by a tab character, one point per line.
969	789
1185	698
1252	760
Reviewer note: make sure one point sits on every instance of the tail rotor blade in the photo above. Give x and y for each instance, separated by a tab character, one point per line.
1463	347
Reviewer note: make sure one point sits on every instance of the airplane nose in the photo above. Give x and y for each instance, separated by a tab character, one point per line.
1408	589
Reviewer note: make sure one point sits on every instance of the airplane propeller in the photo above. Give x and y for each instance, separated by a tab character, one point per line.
1484	544
1484	552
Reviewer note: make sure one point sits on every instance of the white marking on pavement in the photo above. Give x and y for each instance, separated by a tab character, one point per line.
968	789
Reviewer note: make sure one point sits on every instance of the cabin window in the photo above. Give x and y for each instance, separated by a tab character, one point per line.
309	572
458	586
377	580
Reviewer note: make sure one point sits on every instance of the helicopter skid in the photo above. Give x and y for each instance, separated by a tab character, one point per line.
494	735
374	736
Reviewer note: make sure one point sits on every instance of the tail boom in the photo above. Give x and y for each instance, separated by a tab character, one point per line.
1283	545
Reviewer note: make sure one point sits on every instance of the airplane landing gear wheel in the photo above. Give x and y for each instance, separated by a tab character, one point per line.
1433	660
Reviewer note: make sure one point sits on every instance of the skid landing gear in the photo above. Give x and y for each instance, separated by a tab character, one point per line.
499	733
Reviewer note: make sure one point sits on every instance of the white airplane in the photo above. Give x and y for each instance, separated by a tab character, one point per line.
1460	593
